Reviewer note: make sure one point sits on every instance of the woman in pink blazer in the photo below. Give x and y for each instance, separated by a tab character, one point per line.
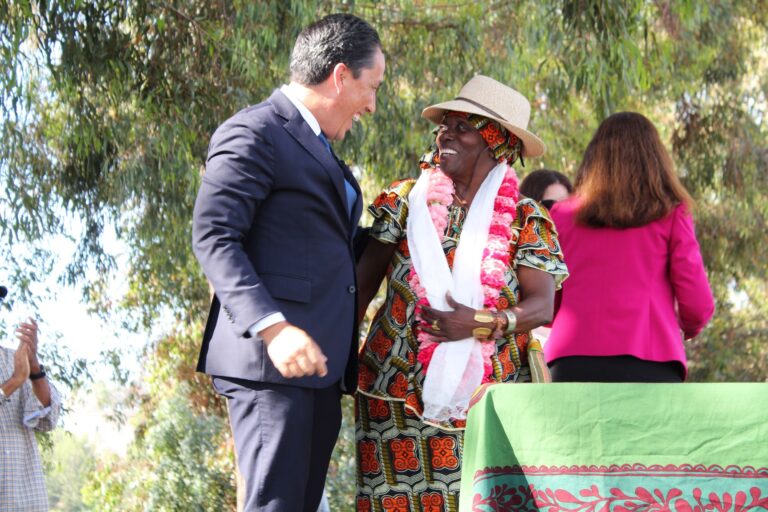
637	287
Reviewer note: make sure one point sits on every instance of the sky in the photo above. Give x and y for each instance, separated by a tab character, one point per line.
64	312
84	336
64	320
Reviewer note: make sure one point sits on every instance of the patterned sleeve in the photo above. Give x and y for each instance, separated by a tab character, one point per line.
36	416
390	210
536	244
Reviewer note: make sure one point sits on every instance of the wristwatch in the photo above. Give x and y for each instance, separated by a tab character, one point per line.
38	375
3	397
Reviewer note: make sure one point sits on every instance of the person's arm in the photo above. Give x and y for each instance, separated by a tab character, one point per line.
238	178
535	309
40	402
20	371
27	335
695	304
389	211
371	269
537	298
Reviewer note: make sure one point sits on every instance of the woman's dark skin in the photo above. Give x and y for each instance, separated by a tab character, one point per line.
537	290
467	160
371	269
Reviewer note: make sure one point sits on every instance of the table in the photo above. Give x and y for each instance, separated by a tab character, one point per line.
593	447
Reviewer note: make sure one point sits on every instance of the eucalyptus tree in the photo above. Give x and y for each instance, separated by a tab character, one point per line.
108	106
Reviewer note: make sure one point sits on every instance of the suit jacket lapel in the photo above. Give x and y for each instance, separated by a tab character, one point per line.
300	130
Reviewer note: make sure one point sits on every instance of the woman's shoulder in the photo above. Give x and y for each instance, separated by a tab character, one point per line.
679	222
531	217
400	187
529	209
393	200
395	194
530	206
679	215
681	210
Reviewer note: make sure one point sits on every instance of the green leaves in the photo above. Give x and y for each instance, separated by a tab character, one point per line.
108	107
176	465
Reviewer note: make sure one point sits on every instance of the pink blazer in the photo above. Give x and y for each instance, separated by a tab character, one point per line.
630	291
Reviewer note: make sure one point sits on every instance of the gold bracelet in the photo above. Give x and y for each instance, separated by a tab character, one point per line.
481	333
486	317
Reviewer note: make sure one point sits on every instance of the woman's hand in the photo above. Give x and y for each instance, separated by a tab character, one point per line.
450	325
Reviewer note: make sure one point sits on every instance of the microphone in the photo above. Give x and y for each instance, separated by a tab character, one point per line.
3	292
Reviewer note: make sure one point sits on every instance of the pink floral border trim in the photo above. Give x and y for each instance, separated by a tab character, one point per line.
620	488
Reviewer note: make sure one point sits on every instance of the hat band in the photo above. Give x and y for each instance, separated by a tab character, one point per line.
494	114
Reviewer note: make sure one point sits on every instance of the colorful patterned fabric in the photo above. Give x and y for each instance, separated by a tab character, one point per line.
391	379
504	144
404	464
617	447
538	363
22	482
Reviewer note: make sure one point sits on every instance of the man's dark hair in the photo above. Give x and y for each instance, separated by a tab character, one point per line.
337	38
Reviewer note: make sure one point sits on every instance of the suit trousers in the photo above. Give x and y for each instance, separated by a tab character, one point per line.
284	438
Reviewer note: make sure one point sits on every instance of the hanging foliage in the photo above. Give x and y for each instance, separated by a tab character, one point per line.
108	107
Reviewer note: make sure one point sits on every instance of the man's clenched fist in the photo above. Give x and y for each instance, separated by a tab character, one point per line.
293	352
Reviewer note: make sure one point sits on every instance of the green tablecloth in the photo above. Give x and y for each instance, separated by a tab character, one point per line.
617	447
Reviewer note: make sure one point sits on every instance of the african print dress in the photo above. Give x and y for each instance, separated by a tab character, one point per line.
405	464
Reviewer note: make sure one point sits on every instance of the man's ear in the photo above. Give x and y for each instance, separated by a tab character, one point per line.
340	73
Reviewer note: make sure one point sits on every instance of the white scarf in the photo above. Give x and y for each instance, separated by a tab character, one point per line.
456	368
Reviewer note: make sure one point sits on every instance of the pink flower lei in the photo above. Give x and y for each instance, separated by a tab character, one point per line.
495	256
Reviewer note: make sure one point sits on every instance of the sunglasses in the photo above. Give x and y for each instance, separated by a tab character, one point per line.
547	203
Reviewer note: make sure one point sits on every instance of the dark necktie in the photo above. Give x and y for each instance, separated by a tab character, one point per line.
349	189
325	142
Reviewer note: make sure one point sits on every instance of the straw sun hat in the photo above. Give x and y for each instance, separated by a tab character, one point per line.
485	96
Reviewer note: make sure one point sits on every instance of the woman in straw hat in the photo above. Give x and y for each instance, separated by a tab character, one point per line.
470	271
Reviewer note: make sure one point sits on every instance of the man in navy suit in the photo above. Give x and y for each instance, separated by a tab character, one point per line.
273	229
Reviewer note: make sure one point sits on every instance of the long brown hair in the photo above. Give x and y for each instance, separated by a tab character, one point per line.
627	178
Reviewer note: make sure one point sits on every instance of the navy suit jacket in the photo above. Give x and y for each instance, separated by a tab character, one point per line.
272	232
